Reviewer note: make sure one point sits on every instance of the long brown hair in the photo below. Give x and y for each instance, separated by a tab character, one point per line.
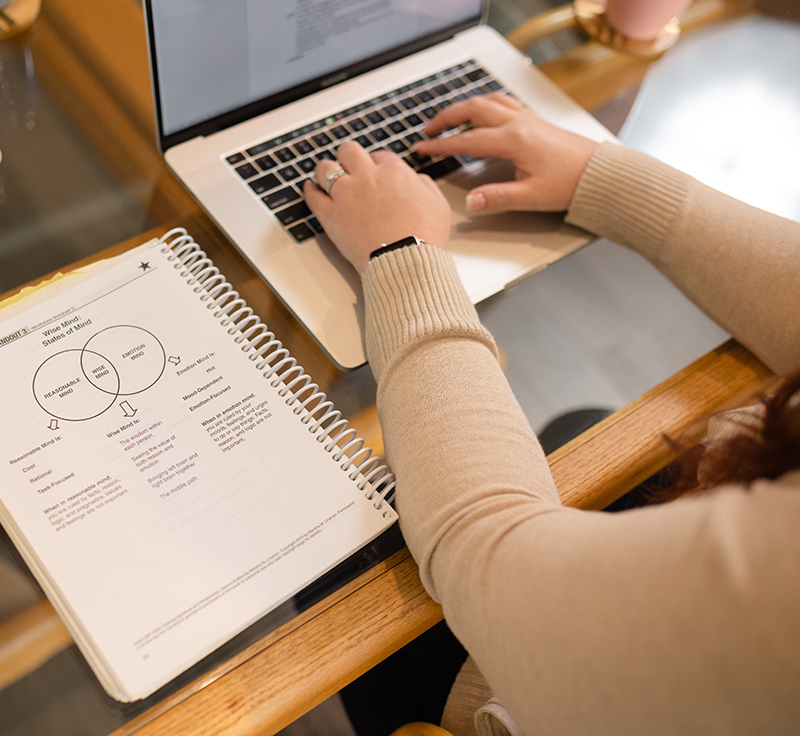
767	449
769	452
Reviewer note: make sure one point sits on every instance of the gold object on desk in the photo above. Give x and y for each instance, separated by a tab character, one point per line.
591	17
17	16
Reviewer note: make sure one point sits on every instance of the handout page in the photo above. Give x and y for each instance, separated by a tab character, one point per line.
160	488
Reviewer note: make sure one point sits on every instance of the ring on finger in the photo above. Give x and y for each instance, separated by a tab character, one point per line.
330	179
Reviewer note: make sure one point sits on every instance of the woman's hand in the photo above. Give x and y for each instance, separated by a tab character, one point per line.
379	199
549	161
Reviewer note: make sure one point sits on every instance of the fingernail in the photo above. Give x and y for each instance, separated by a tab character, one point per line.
476	201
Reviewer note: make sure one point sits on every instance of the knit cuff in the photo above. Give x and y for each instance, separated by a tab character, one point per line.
629	197
412	295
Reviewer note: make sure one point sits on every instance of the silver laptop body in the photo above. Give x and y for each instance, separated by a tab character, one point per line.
241	82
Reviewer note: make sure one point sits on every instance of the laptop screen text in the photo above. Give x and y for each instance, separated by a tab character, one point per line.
213	58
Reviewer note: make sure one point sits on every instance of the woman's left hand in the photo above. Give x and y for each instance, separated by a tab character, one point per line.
378	200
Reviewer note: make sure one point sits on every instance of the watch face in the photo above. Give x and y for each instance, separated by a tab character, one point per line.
403	242
389	247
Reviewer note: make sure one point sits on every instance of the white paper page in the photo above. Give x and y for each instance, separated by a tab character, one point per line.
171	494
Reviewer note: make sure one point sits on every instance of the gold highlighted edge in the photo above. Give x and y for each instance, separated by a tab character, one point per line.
36	290
18	16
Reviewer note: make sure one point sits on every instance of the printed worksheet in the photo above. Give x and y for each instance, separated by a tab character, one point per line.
162	489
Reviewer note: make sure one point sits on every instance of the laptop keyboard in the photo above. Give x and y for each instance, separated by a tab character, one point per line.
276	170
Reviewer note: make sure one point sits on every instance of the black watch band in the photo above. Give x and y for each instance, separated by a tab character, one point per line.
402	243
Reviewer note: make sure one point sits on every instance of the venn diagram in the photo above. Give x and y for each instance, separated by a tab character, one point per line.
83	383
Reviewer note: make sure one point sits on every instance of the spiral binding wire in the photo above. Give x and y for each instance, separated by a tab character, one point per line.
324	421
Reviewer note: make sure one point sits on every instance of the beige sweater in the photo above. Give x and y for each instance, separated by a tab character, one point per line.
676	619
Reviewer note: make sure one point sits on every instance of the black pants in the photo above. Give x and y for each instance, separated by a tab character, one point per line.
411	685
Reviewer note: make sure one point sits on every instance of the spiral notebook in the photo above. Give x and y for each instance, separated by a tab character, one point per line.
170	474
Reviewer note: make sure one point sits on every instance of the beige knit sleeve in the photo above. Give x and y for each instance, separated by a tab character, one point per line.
414	295
737	263
452	428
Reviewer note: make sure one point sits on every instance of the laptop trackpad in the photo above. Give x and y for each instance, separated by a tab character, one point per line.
503	247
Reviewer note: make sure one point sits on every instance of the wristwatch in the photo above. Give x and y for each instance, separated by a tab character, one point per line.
402	243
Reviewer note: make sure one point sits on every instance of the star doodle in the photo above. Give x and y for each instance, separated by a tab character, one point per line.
144	265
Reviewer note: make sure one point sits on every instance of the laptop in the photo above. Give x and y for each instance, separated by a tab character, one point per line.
250	94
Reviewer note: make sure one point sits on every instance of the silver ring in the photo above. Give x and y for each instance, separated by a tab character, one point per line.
330	178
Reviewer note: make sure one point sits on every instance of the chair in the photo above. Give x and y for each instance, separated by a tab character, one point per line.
420	729
28	640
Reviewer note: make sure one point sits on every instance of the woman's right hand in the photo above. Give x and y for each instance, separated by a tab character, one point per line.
549	161
378	200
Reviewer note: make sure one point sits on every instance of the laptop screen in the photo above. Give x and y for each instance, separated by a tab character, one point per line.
215	63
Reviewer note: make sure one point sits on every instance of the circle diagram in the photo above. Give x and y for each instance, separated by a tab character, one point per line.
134	351
61	389
82	383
